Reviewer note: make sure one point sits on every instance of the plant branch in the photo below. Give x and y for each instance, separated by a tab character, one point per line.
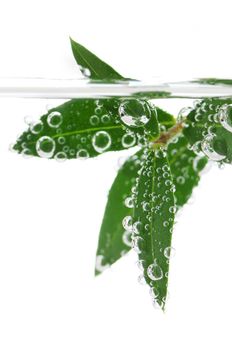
168	135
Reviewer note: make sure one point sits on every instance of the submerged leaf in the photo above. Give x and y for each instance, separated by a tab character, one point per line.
77	129
113	240
153	221
209	128
185	167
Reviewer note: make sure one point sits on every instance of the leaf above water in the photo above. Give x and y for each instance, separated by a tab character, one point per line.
92	66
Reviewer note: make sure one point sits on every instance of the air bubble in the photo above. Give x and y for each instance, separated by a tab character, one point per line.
36	127
134	113
26	153
169	252
54	119
128	140
127	223
182	115
127	238
45	147
208	150
85	71
137	244
105	119
225	117
82	154
137	227
101	141
94	120
61	140
154	272
60	156
129	202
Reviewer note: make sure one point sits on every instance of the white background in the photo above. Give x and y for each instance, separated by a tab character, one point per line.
51	212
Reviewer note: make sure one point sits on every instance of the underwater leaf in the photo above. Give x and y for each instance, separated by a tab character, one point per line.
77	129
185	167
114	241
92	66
209	128
153	220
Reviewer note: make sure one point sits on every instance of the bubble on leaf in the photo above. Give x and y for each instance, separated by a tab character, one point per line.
127	238
169	252
129	202
26	153
134	113
180	180
36	127
94	120
45	147
128	140
137	244
54	119
85	71
101	141
60	156
105	119
207	146
140	264
82	154
182	115
61	140
127	223
225	117
154	272
137	227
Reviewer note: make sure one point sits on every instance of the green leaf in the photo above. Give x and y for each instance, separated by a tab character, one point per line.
79	128
112	237
209	128
93	66
213	81
185	167
113	240
153	220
